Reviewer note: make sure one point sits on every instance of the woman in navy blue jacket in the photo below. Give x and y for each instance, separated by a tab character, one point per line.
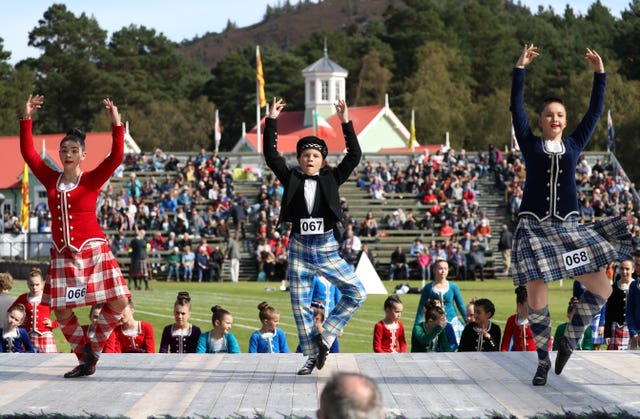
549	244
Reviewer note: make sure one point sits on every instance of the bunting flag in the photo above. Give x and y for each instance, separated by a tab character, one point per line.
217	130
24	211
321	127
262	100
514	140
412	131
611	133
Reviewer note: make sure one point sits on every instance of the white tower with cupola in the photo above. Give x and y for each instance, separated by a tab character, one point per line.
324	83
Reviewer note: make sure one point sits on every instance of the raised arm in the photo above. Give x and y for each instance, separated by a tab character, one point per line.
274	160
585	129
39	168
113	111
106	168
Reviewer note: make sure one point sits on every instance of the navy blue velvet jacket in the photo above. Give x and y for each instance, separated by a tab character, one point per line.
550	188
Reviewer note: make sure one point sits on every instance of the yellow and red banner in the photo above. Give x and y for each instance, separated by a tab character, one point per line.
262	100
24	210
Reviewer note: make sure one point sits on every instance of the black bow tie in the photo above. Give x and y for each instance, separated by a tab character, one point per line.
312	177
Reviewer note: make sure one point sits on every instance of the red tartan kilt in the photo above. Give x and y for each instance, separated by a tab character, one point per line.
619	337
45	343
94	267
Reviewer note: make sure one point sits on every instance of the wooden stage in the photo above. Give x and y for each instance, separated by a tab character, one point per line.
414	385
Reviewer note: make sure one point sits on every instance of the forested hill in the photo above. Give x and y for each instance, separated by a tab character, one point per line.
449	60
288	26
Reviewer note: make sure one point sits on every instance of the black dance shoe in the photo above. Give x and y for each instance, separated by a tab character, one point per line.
564	352
78	371
540	378
308	367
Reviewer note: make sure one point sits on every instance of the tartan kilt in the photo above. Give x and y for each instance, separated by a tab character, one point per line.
45	342
540	248
619	337
139	268
94	267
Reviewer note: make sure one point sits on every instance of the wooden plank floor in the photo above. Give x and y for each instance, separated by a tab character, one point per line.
414	385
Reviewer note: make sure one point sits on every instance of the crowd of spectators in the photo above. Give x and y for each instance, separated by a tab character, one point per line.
197	198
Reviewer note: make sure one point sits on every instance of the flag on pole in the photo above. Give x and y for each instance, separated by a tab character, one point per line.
217	131
262	100
514	140
321	127
611	133
412	131
24	211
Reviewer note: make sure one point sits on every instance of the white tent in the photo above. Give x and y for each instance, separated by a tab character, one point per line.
369	277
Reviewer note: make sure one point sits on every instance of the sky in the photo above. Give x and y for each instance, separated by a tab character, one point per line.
179	20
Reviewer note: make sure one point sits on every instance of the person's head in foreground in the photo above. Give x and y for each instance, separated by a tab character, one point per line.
350	395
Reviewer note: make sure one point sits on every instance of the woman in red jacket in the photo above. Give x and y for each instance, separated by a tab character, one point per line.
132	336
83	270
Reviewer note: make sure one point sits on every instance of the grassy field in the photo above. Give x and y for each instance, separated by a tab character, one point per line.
241	299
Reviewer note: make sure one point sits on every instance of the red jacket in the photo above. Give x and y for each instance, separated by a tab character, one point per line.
36	313
522	336
143	342
385	340
73	212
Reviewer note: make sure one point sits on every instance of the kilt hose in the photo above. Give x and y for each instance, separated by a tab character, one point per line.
318	254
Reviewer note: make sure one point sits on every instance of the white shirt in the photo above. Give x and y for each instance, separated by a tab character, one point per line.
310	187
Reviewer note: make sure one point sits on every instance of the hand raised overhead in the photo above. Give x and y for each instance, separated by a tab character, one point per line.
276	107
34	103
529	53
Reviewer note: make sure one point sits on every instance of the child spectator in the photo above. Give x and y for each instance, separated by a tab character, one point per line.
219	339
15	338
90	329
431	334
181	337
268	339
38	316
319	313
586	342
174	260
482	335
517	332
132	336
447	292
616	331
188	261
6	283
470	316
388	333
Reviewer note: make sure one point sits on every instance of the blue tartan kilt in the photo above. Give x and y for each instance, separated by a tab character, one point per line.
555	249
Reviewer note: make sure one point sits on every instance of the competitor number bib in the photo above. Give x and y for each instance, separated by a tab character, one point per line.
576	258
76	294
311	226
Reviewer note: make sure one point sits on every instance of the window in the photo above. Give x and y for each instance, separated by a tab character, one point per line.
312	90
325	90
337	90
